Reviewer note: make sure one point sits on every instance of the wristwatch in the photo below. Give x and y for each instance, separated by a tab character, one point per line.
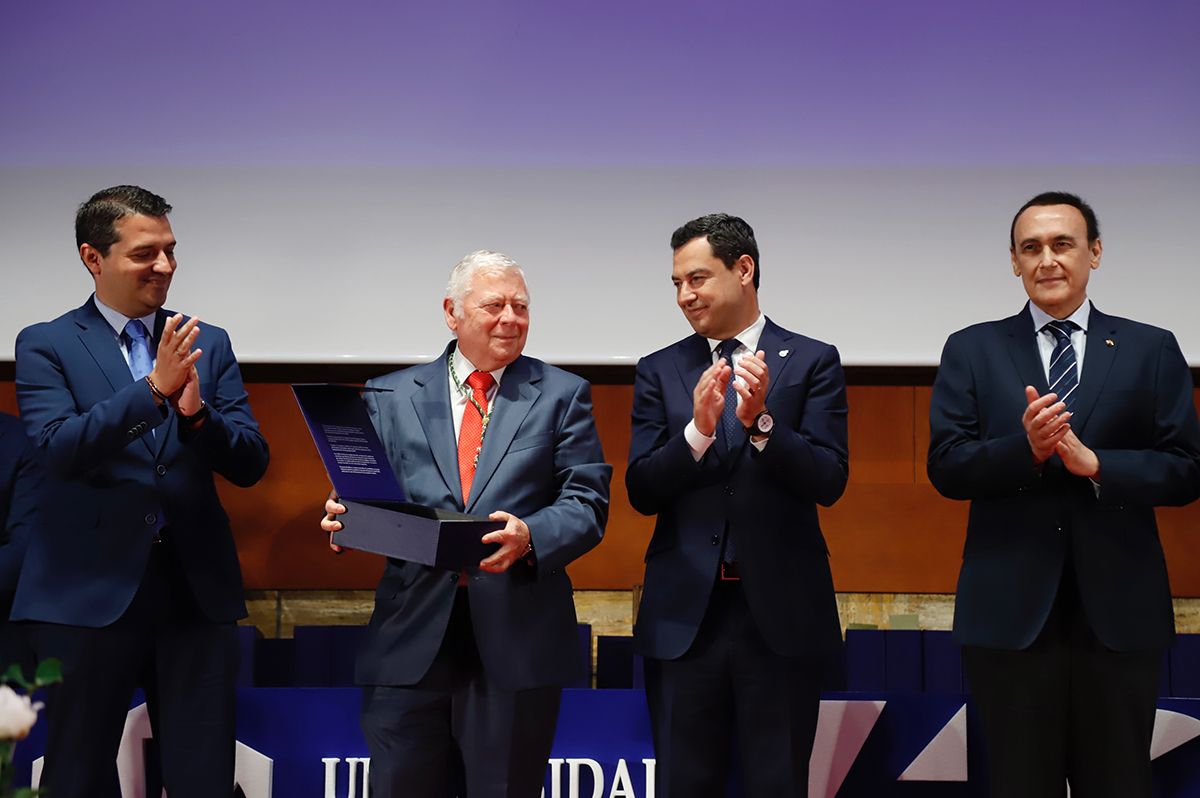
197	417
764	422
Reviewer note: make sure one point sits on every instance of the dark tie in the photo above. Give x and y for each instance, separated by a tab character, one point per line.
138	341
1064	375
470	434
734	431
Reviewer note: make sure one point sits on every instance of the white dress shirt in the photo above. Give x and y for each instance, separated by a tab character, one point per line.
458	399
1047	341
118	320
747	339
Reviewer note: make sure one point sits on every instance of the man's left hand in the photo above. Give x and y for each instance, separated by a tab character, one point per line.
752	387
513	540
188	402
1079	459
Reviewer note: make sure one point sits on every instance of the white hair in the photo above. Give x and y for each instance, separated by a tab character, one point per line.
481	260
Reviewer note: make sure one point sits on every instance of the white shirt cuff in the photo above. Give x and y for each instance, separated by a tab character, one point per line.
697	441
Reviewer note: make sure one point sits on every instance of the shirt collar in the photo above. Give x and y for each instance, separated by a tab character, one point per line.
464	367
747	337
1041	318
118	320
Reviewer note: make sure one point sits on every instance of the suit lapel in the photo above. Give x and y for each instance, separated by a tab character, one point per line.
1023	348
1097	361
696	356
431	403
775	344
514	399
99	339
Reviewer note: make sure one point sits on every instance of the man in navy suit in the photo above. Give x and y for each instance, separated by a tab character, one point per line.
478	659
739	432
131	574
1064	427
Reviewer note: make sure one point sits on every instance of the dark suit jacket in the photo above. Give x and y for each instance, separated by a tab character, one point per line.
542	462
110	483
20	483
1134	408
768	498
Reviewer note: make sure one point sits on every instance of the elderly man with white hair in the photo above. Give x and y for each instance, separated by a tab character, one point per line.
478	659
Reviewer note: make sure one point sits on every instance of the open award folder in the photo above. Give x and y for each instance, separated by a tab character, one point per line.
379	518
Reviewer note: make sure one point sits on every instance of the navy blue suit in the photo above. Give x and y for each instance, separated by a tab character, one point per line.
1039	536
768	502
20	485
131	525
541	461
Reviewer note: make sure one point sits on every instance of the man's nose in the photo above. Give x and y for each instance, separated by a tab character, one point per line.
163	264
1047	258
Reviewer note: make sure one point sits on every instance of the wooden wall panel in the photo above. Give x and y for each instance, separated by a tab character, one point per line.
894	539
882	436
617	561
891	532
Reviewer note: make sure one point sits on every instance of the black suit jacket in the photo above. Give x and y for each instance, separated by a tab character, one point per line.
768	498
1134	408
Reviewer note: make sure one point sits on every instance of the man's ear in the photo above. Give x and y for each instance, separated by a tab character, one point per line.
91	257
745	267
451	319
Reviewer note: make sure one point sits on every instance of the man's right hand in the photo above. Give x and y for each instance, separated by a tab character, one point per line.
1045	421
708	398
175	358
329	523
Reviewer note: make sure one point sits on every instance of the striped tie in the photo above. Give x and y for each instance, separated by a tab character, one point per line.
1064	375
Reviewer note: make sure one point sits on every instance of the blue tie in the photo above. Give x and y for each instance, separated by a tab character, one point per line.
734	431
138	341
1064	374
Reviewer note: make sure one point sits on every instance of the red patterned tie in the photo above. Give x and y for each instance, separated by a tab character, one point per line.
470	435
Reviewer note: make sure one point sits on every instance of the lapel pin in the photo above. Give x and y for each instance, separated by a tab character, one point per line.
1109	342
784	352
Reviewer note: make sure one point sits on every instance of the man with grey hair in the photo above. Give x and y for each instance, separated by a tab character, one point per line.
477	660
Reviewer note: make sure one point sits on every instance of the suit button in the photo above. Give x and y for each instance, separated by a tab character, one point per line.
151	518
729	490
162	470
454	579
1058	529
716	540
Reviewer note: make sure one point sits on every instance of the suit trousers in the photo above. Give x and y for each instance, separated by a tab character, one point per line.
185	664
456	732
731	685
1066	709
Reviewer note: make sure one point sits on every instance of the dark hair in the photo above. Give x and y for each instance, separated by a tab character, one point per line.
1058	198
95	222
729	237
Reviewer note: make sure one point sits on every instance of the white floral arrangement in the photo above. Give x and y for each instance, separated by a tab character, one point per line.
18	713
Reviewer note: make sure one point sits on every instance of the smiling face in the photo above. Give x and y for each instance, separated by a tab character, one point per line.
135	274
719	301
1053	258
493	320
